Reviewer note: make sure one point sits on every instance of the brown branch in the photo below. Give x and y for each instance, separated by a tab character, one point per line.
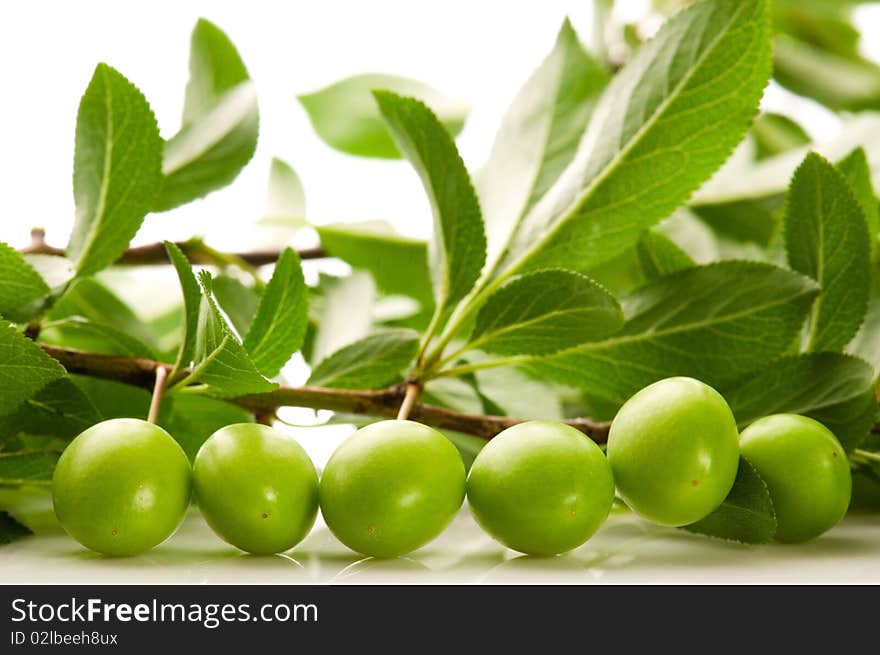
154	253
383	403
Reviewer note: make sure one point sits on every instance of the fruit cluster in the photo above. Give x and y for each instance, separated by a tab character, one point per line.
123	486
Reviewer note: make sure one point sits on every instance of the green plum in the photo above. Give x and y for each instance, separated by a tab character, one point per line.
806	471
122	487
673	449
541	488
256	488
391	488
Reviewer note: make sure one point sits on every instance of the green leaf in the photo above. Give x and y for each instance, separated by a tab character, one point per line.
24	369
736	182
20	284
343	313
90	299
116	169
345	116
11	530
659	255
371	363
220	122
827	239
857	172
398	264
279	327
286	201
192	419
840	83
114	399
775	133
663	125
832	388
544	312
24	466
539	134
709	322
510	392
83	334
746	515
865	344
754	220
220	361
238	300
60	410
192	300
458	249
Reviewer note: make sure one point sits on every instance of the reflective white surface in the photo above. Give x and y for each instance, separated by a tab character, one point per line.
626	550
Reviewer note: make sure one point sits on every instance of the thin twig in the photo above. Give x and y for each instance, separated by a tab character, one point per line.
154	253
383	403
410	396
158	390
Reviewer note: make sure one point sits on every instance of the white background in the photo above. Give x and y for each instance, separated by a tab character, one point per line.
479	52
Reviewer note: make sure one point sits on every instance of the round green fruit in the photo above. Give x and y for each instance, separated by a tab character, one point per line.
540	488
806	471
122	487
392	487
673	451
256	488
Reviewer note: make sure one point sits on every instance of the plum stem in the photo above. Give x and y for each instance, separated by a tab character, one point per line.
411	395
158	391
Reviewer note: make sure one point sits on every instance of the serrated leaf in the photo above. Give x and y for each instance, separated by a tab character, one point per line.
371	363
286	199
192	299
857	172
116	169
841	83
238	300
219	360
11	530
746	515
663	125
659	255
24	369
398	264
709	322
458	250
544	312
83	334
279	327
220	122
826	238
345	116
539	134
192	419
90	299
832	388
27	466
343	313
866	343
20	284
769	178
775	133
60	409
